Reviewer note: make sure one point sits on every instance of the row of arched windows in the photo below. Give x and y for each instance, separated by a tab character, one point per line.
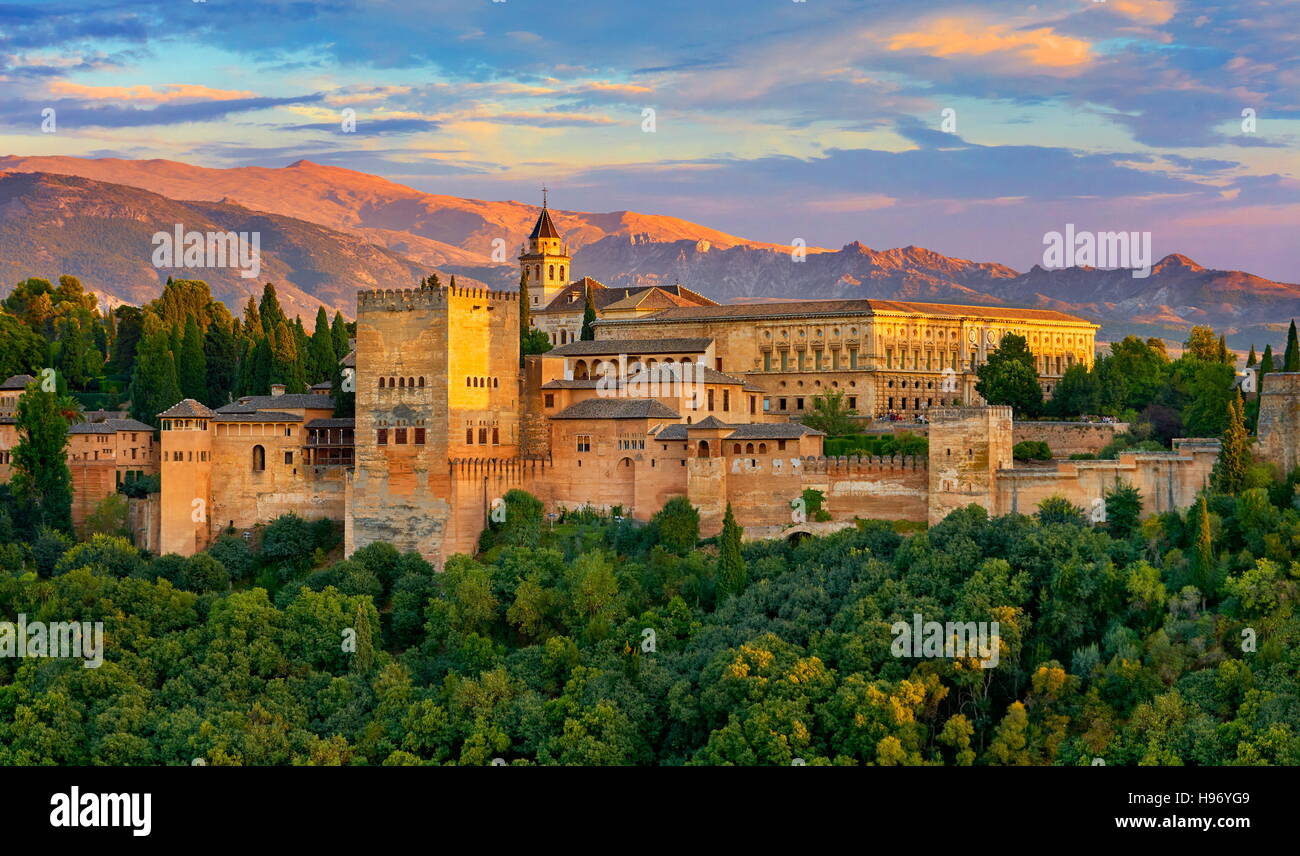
537	271
401	383
492	382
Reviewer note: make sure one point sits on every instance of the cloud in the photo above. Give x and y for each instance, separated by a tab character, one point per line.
1040	47
144	93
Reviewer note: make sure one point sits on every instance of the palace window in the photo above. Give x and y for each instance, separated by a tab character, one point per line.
419	436
399	436
381	437
259	459
584	442
288	458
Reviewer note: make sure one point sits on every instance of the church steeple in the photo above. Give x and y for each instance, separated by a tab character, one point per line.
545	260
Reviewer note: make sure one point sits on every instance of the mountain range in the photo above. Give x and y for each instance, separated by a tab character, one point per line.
328	231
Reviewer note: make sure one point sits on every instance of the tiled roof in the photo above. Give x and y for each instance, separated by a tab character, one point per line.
662	373
676	431
349	359
236	407
658	297
187	409
309	401
616	408
772	431
323	385
259	416
611	347
827	308
572	298
18	381
544	228
108	426
332	423
709	423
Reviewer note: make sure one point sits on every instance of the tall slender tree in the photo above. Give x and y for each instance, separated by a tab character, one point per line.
339	332
1291	358
42	482
589	318
1234	455
154	384
321	357
192	364
221	356
732	573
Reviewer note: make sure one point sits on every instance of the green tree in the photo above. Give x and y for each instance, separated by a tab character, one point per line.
321	349
192	365
221	357
287	360
1234	455
830	414
1010	378
42	482
1206	566
1077	393
72	354
589	318
154	385
1123	510
22	351
339	333
525	316
269	309
678	524
1202	345
1291	358
732	573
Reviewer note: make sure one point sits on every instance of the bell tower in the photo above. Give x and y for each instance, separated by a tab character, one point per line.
544	261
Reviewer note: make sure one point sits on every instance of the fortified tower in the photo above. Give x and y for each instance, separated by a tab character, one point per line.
437	378
968	445
544	261
1279	420
186	474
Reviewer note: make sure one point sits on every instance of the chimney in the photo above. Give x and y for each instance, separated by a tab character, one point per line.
277	389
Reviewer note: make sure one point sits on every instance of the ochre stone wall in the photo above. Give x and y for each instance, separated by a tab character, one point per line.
1069	438
1279	420
968	445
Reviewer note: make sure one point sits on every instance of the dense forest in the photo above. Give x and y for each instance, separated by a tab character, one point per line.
184	344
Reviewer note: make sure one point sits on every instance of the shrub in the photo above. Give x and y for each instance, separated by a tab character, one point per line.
1031	450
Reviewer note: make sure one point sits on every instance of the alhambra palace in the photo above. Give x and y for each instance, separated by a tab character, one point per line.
675	396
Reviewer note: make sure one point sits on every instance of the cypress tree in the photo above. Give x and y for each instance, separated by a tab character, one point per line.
589	318
1251	360
1224	356
192	366
286	360
72	354
321	352
1234	456
1291	359
260	376
732	573
1205	565
221	354
339	332
269	309
42	482
154	385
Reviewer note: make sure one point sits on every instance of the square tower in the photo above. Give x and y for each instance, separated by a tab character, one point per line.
437	378
544	262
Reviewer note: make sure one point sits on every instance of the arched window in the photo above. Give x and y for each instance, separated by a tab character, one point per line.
381	383
735	448
401	381
259	459
762	448
703	449
550	272
496	383
467	380
561	272
392	383
410	381
421	382
749	448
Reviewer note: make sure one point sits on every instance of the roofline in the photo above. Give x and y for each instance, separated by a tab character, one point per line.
867	310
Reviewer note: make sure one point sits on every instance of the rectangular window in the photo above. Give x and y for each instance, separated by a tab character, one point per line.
753	404
780	445
785	360
496	436
584	442
400	439
382	437
469	436
718	362
780	404
482	436
710	392
419	436
726	400
853	402
550	399
288	458
767	361
798	404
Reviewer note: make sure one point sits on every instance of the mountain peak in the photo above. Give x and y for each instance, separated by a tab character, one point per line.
1177	260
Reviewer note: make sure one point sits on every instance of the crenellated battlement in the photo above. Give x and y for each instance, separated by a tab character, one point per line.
480	466
423	297
957	414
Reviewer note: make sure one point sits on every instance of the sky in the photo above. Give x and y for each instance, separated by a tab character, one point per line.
971	128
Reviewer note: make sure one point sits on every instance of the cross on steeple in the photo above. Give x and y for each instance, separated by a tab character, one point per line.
544	188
